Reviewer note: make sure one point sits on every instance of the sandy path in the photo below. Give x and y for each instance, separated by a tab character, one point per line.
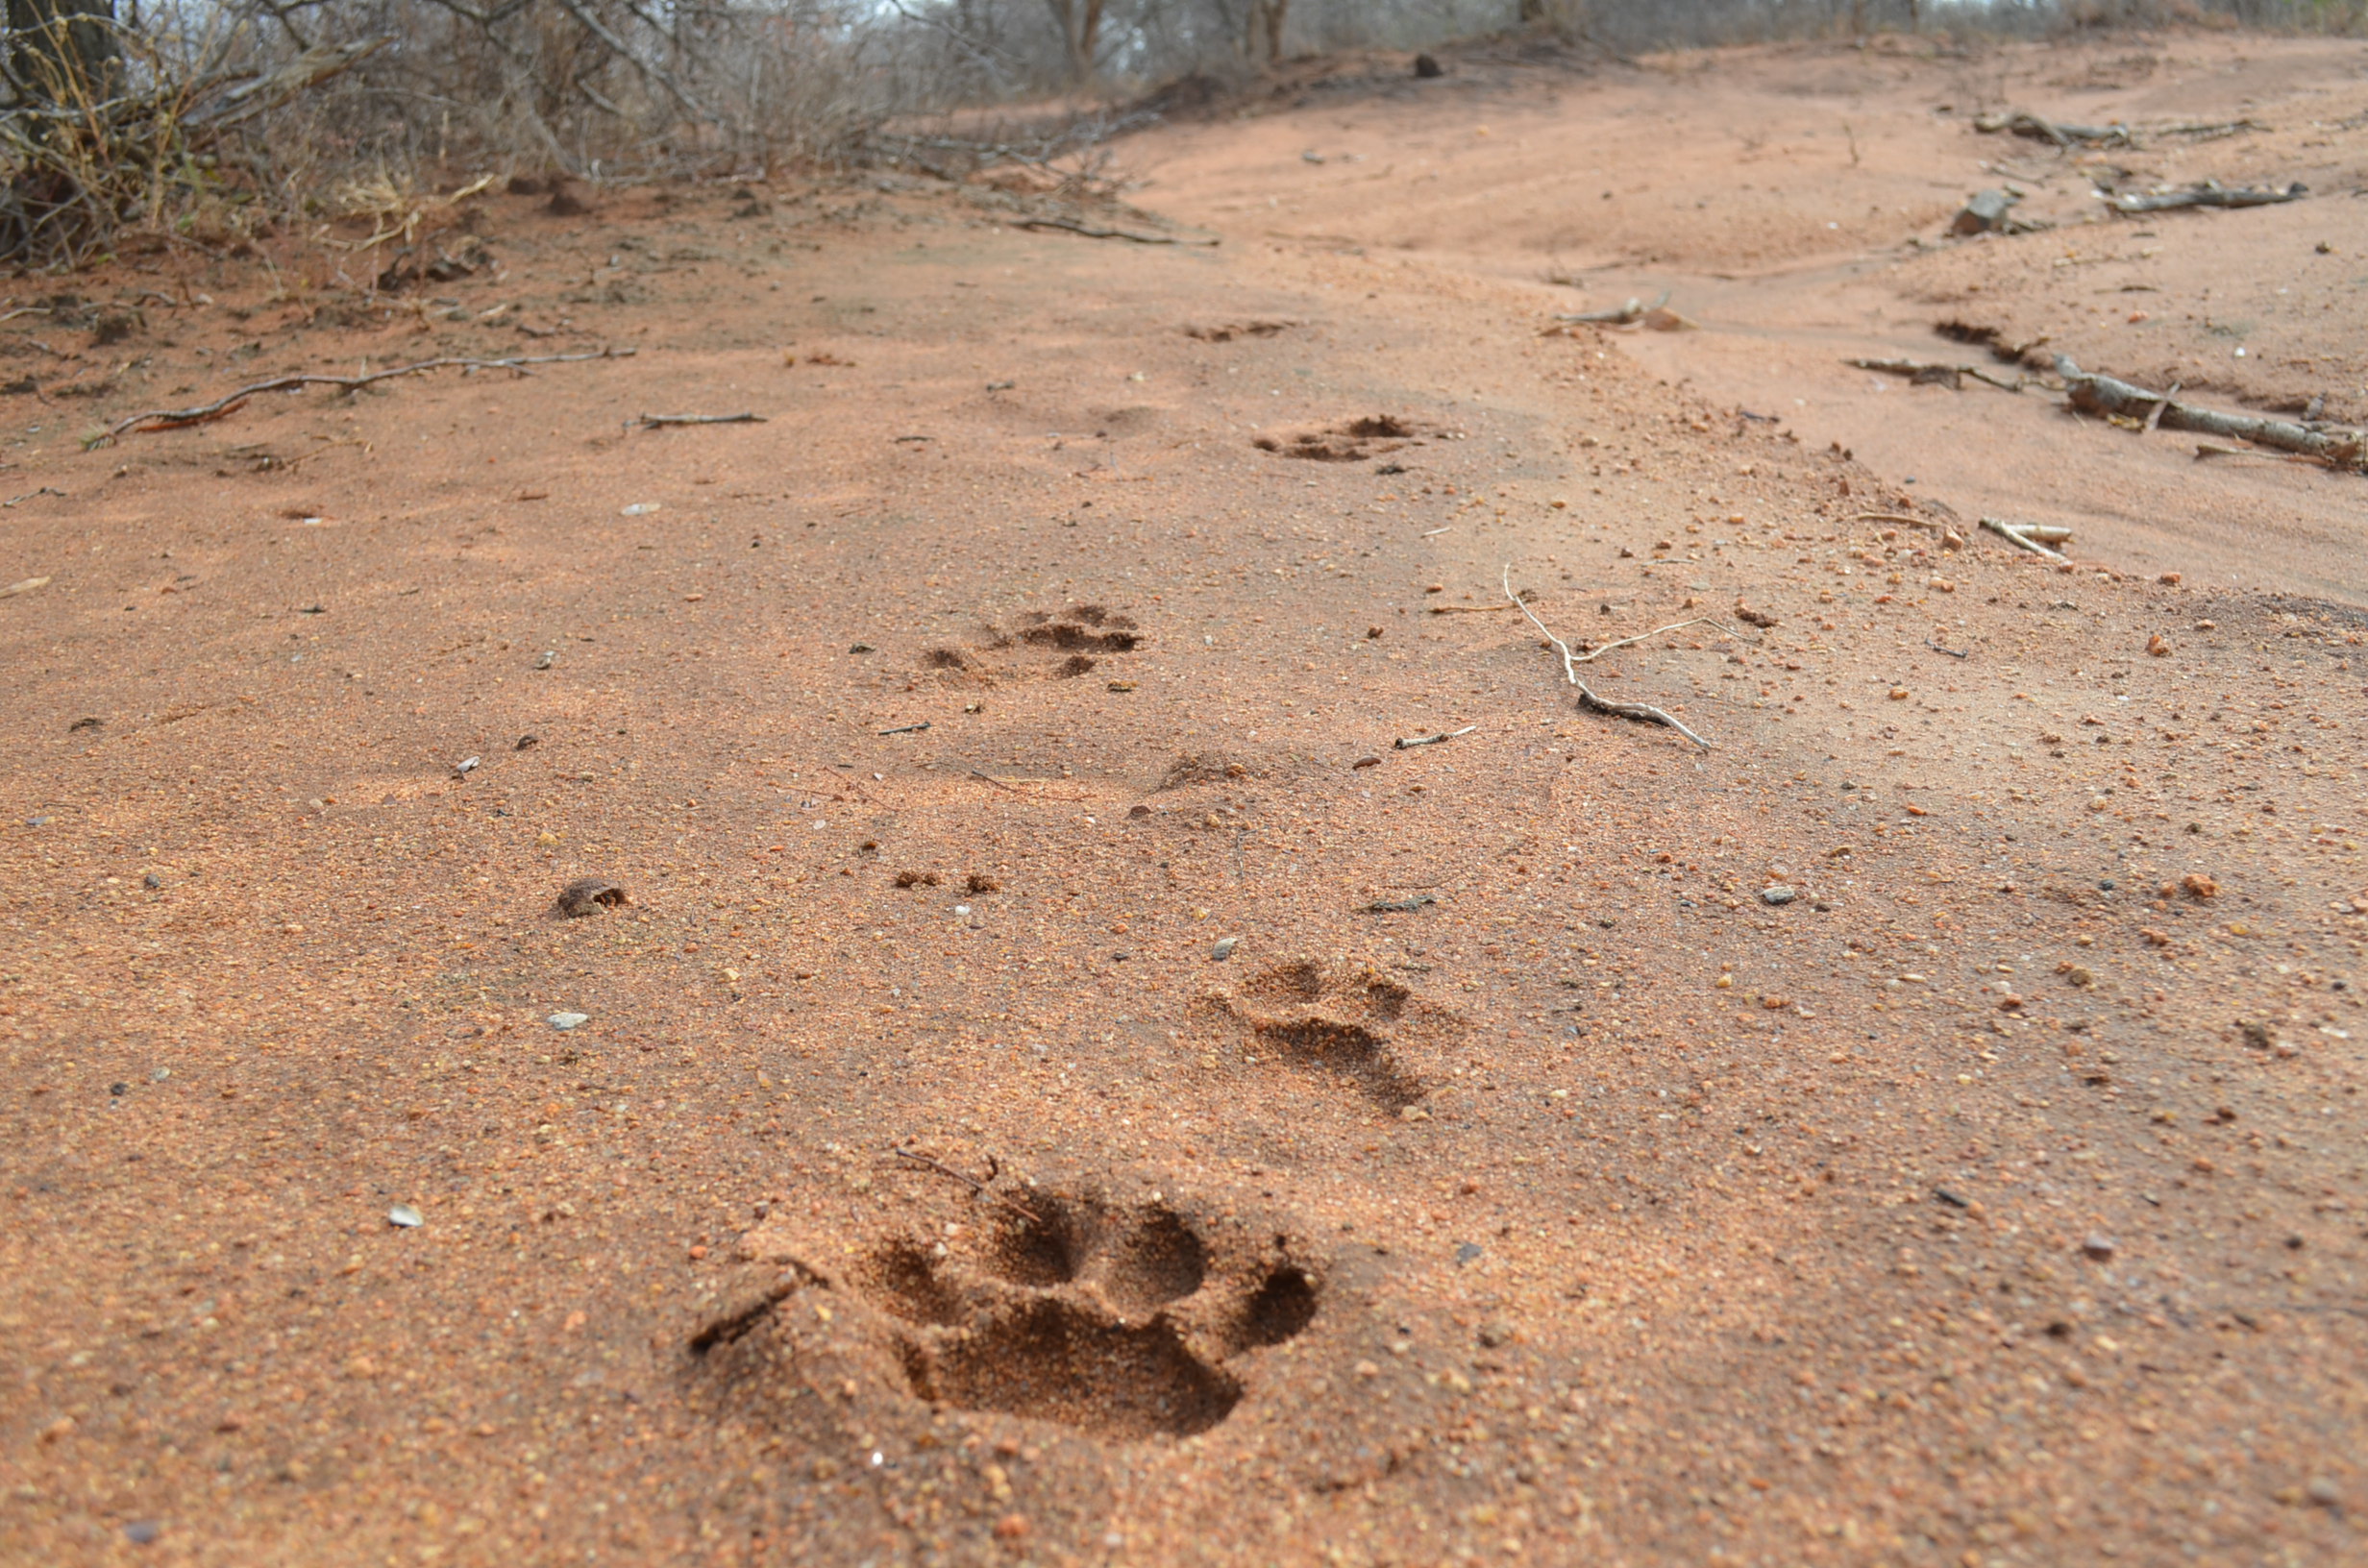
1471	1151
1769	194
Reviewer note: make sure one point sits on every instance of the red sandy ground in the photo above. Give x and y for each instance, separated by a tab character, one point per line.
1998	1199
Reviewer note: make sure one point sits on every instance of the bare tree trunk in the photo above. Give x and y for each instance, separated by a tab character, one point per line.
1080	25
1267	17
64	52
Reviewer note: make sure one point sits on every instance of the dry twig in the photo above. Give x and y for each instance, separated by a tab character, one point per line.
973	1183
1643	712
172	419
1626	316
651	422
1409	743
1923	373
1093	231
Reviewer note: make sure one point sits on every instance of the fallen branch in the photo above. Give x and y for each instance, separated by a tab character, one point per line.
1641	712
1408	744
1092	232
2023	123
1952	652
973	1183
1924	373
651	422
2113	398
45	490
1626	316
1469	610
2210	193
173	419
2026	536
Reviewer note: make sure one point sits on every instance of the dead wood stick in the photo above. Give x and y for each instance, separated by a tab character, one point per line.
2014	533
1641	712
2213	449
2024	123
2210	193
168	419
907	730
1952	652
1092	232
1924	373
1469	610
2107	395
651	422
1625	316
973	1183
987	778
1408	744
2156	418
2205	130
1592	655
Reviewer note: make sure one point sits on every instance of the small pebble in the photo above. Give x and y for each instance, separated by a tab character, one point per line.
2099	1247
142	1532
568	1021
1224	948
1777	894
2322	1491
404	1215
152	881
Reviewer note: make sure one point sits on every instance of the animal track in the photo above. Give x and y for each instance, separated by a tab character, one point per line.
1348	1021
1125	1319
1349	442
1081	632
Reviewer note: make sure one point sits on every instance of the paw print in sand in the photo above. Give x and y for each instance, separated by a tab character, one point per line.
1344	1021
1078	638
1127	1319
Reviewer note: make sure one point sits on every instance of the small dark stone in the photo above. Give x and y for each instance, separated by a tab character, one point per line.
152	881
119	1089
863	648
1428	68
1465	1253
142	1532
